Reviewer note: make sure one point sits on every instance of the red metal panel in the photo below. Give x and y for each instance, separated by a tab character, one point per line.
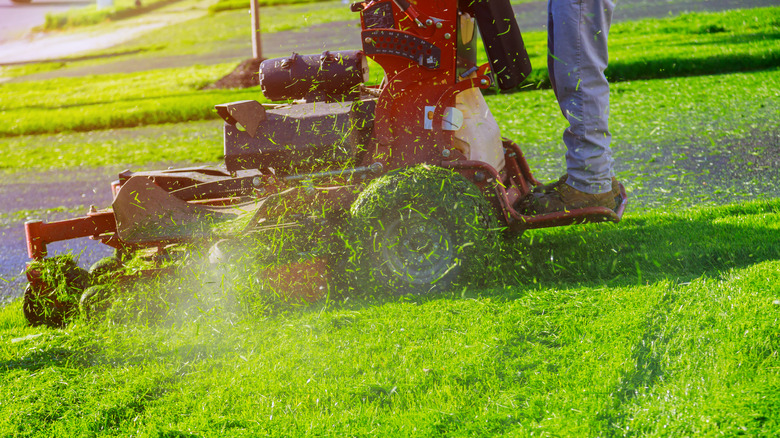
415	43
40	234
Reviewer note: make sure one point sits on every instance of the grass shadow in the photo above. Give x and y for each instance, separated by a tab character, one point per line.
49	356
683	246
669	67
665	68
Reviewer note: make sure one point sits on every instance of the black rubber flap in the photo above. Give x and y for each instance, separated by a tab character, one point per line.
502	39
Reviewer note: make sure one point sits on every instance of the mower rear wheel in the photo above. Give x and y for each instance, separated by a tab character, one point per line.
420	229
419	248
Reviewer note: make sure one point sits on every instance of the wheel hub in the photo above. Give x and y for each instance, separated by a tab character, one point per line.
417	248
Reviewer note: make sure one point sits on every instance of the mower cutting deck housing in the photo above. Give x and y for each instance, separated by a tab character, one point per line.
415	167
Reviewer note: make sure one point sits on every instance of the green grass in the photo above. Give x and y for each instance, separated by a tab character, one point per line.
199	142
229	5
670	47
722	153
90	15
663	325
14	217
670	341
688	44
213	32
119	100
739	40
124	9
672	138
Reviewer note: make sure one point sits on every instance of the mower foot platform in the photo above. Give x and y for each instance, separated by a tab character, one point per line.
578	216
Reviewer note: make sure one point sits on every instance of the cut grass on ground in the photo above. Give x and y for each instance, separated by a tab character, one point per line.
657	346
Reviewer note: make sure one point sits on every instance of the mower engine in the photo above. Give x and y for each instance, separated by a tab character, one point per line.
325	77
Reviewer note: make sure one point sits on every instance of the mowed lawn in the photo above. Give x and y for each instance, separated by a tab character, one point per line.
666	324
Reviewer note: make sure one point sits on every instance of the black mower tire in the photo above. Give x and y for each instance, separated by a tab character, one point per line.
104	268
54	299
419	230
95	300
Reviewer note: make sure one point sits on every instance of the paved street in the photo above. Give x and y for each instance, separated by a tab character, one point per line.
16	19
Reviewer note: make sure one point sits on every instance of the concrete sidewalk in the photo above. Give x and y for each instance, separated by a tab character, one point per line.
57	45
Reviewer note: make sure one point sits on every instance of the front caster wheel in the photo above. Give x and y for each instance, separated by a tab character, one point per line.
53	294
95	301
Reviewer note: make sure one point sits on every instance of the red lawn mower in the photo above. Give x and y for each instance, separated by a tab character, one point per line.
415	168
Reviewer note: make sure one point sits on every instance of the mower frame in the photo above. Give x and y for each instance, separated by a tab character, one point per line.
399	124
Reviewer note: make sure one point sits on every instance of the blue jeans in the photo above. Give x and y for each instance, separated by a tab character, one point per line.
577	43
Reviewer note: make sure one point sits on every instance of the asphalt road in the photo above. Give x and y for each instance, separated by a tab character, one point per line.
16	19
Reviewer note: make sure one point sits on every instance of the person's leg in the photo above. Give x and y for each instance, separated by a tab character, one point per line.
577	38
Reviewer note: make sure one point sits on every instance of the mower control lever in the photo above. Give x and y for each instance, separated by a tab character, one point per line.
357	7
409	11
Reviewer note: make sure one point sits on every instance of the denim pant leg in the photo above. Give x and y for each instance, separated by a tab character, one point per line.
577	44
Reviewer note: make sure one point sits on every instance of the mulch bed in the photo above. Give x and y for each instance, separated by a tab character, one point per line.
244	76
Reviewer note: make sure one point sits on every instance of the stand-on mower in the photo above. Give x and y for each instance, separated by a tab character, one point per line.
415	169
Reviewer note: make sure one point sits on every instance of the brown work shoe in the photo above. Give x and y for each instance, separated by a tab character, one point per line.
551	187
560	196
